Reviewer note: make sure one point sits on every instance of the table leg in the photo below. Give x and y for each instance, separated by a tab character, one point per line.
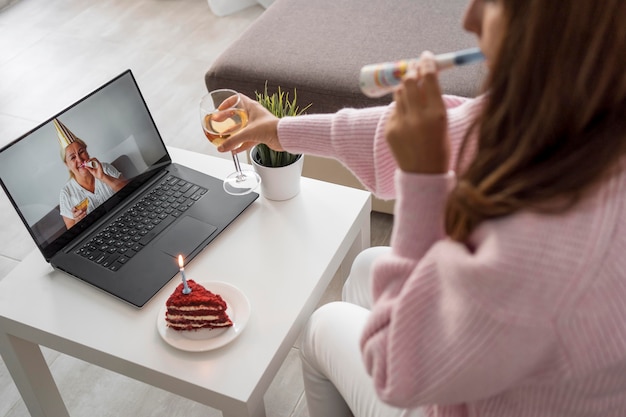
364	239
366	233
31	375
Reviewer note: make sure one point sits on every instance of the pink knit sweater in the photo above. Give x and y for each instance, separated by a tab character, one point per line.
531	322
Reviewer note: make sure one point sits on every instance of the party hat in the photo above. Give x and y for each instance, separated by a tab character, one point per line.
66	137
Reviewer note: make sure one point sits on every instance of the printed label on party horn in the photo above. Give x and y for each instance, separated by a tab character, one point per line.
376	80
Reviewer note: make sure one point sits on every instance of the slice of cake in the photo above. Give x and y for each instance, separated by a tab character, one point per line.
200	309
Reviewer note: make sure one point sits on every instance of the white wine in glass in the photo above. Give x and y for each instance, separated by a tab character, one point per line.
223	114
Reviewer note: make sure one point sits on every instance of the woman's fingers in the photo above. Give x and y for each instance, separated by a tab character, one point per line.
416	130
262	128
229	102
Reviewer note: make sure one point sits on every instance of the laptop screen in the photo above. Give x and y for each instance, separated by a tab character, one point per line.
108	134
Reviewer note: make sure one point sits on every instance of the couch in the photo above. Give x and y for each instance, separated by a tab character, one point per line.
318	47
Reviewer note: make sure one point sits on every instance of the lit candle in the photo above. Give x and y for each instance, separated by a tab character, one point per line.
186	289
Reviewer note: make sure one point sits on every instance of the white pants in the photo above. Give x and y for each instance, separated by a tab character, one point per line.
335	380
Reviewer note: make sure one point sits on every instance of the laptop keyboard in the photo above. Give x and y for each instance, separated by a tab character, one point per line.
130	232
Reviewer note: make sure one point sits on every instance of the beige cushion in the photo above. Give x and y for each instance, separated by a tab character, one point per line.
319	46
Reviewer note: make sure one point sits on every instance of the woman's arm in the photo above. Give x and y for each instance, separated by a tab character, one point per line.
116	184
109	175
356	137
68	222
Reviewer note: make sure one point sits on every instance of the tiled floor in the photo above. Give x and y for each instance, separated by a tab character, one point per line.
53	52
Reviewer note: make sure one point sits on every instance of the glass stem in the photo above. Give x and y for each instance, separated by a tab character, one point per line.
240	175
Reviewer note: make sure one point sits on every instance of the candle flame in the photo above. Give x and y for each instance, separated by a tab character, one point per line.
180	261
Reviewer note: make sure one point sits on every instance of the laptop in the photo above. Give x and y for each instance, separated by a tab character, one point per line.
124	234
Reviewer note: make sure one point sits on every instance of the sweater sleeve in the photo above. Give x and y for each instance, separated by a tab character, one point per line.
356	137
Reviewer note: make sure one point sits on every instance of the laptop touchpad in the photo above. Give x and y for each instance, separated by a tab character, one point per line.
185	236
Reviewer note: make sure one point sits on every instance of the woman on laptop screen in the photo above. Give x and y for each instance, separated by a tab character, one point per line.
91	182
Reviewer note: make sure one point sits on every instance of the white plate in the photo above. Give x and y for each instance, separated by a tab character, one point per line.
238	309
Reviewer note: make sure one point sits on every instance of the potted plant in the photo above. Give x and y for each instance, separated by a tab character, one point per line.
280	171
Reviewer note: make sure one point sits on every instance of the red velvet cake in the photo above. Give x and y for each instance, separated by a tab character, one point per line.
200	309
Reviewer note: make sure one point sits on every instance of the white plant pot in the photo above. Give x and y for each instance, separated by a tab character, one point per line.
279	183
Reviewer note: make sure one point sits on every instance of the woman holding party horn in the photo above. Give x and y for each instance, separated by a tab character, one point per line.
502	294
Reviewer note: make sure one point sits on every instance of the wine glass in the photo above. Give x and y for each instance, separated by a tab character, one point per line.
223	114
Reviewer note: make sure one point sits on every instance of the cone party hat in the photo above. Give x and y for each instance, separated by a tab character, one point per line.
65	136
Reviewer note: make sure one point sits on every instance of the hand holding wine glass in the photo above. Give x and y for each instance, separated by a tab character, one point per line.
223	114
262	127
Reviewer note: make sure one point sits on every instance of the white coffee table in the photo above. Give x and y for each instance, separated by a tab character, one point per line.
281	255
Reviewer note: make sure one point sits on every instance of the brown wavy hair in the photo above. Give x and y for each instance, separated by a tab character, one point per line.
554	120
